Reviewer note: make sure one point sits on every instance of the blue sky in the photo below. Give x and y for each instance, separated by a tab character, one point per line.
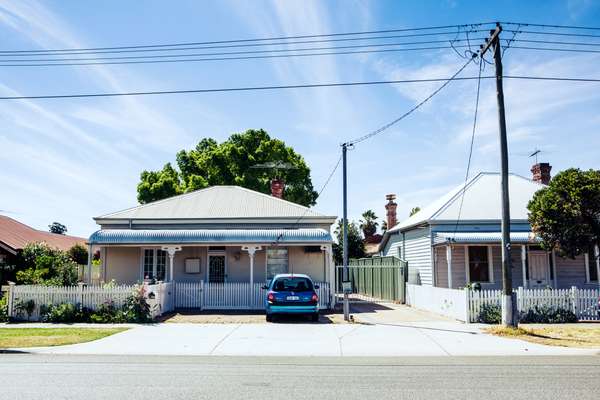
69	160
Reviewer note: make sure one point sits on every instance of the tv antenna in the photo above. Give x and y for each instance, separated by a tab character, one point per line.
275	166
535	154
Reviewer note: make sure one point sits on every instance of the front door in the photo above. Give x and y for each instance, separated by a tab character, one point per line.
538	269
216	268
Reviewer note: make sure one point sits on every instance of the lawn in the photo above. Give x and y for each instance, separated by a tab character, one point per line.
36	337
566	335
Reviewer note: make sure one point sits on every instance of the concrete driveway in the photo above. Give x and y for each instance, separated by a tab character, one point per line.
424	338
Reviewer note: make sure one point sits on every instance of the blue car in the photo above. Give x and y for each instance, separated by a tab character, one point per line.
292	294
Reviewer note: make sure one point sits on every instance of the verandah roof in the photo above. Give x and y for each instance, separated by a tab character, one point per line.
199	236
483	237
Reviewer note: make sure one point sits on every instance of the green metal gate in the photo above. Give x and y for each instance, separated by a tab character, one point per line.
375	279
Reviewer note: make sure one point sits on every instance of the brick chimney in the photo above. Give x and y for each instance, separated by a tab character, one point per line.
277	186
541	172
390	209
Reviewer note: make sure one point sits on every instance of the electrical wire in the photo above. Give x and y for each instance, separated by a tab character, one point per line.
553	33
359	46
427	28
231	58
555	49
552	26
244	45
316	85
462	197
413	109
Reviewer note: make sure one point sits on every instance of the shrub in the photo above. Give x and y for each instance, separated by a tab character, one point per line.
3	309
65	313
490	314
547	315
45	265
136	307
79	254
23	307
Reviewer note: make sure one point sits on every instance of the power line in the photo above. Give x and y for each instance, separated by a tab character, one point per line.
552	33
556	49
299	86
244	45
552	26
233	58
234	89
260	39
236	52
556	42
413	109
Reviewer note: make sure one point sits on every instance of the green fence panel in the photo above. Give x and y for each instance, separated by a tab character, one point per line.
377	277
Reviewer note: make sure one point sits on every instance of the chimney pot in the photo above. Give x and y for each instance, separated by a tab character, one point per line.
277	186
541	173
390	209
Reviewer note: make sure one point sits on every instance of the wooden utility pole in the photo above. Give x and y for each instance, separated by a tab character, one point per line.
509	314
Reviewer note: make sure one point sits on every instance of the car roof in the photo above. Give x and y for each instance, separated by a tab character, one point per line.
291	276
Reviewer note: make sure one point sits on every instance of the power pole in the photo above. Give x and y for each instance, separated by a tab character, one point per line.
345	230
509	314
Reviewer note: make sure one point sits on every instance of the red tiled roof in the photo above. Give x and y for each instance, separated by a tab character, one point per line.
16	235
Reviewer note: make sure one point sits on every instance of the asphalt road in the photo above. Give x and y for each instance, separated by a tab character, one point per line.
24	376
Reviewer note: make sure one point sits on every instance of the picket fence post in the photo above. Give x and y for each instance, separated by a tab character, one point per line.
81	286
468	305
574	298
11	297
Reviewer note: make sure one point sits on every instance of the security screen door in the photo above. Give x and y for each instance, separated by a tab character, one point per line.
216	268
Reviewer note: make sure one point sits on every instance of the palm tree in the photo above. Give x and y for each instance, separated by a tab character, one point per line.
369	223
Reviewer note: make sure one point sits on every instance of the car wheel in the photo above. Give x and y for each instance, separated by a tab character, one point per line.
314	317
269	318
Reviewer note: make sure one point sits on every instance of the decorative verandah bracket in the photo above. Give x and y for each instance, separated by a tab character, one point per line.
251	249
171	250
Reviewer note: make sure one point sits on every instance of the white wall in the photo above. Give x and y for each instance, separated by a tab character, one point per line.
448	302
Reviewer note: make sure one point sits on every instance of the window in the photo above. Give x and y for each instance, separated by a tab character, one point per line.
2	259
479	264
277	261
294	284
155	264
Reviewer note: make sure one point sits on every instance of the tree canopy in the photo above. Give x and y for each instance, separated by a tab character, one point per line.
356	246
566	213
230	163
414	210
57	227
368	223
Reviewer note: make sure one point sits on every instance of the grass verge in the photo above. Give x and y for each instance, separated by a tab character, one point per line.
567	335
38	337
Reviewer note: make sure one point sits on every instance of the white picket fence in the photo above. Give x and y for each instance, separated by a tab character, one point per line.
87	296
232	295
162	297
583	302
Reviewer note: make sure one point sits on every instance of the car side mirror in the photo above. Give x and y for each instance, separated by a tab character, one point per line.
264	287
317	286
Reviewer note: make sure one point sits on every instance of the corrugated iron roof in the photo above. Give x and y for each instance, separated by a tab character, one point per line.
483	237
216	202
190	236
481	201
17	235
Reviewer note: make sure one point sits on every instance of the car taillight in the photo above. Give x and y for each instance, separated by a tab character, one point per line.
270	297
314	298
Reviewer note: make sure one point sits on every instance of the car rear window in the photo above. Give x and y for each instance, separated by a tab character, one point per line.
292	284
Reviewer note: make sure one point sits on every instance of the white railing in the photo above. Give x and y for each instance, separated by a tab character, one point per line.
582	302
232	295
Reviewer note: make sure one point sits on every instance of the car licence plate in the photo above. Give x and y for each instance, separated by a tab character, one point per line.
293	298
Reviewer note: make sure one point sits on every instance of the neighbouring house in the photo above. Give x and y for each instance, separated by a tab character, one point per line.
221	234
14	236
456	240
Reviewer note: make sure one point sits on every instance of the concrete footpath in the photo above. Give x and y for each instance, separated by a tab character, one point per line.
425	338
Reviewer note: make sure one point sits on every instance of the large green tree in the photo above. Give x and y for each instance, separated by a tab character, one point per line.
368	223
566	213
356	246
230	163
